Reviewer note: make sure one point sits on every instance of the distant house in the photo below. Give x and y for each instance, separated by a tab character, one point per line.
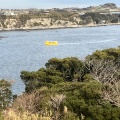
104	13
114	11
46	11
8	13
81	13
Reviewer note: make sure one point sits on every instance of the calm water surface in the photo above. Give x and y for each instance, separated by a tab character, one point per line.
23	50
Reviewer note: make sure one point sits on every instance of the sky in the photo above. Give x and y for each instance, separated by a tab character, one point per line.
45	4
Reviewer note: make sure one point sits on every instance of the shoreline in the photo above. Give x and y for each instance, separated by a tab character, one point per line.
56	27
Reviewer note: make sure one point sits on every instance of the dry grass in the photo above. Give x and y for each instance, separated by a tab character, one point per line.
11	115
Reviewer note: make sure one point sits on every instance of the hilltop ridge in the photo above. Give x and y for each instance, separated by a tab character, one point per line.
109	5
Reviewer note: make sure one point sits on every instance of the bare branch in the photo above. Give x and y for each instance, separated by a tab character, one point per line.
107	73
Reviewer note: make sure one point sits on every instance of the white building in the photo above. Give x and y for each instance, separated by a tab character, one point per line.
8	13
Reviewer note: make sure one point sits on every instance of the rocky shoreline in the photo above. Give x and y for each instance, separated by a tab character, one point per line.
56	27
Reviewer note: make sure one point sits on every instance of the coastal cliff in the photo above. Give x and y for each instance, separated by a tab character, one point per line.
47	23
106	14
37	23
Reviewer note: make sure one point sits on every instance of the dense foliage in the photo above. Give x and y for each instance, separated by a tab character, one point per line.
5	94
57	70
81	84
107	54
97	18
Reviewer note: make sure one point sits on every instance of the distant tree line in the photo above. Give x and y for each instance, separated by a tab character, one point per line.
97	18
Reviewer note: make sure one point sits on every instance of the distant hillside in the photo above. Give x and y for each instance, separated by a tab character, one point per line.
107	13
103	7
109	5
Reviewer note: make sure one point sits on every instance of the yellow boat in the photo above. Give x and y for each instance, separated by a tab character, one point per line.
51	42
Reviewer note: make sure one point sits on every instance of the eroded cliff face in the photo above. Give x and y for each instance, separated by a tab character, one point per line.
37	23
10	23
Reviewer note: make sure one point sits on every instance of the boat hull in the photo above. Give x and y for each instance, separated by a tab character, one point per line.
50	43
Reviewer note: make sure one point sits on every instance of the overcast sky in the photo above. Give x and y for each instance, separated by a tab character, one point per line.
53	3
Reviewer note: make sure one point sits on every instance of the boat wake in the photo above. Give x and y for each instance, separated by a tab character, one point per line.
91	42
69	43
